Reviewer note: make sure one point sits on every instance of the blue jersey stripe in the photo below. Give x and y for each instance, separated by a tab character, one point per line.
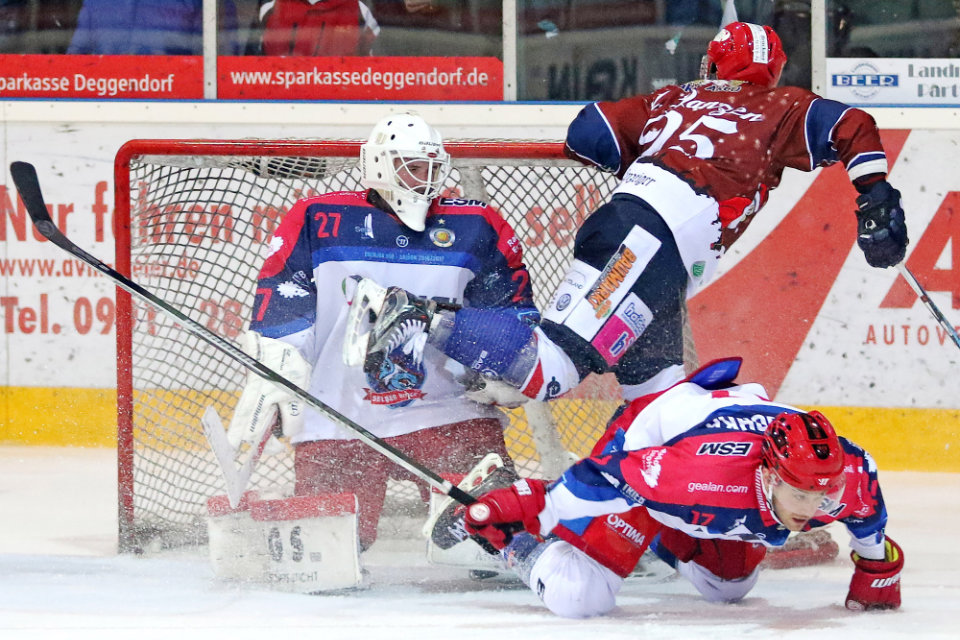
822	117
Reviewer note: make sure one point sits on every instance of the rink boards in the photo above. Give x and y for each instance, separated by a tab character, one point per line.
794	297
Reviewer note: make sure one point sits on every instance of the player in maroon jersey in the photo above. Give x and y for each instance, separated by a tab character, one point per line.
710	474
696	162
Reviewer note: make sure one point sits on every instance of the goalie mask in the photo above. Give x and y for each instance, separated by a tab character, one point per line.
747	52
404	160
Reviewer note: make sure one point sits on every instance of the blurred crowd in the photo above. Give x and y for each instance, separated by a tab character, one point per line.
549	30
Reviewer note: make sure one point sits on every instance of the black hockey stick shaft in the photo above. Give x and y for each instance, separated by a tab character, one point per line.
925	299
25	178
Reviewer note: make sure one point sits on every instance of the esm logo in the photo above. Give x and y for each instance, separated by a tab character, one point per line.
724	449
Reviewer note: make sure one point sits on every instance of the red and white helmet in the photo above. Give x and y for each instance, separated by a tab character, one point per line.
747	52
803	449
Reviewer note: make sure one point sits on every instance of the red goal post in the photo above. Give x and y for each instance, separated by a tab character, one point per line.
193	218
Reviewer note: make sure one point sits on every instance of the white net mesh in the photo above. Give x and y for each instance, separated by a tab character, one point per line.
199	217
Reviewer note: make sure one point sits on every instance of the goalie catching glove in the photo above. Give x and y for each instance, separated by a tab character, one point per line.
876	583
401	321
881	227
498	515
262	401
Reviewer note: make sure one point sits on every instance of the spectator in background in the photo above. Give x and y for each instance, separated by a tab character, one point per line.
792	19
148	27
686	12
32	26
419	6
424	27
318	28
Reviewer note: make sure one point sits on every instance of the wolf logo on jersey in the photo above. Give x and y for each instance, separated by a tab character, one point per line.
398	382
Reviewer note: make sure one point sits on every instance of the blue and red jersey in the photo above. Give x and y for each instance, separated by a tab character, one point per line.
690	457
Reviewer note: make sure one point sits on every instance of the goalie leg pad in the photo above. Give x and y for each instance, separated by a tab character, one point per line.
445	526
345	466
443	506
234	539
802	550
311	542
468	555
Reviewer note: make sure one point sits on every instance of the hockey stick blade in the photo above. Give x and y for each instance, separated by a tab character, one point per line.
28	185
925	299
236	480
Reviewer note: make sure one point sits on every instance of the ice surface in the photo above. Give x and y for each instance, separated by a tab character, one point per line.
60	577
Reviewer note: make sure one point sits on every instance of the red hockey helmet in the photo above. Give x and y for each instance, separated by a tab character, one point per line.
748	52
803	449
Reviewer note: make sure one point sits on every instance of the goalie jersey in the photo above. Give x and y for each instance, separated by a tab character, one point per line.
467	254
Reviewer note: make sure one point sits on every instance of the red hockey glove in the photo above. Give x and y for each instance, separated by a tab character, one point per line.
497	515
876	583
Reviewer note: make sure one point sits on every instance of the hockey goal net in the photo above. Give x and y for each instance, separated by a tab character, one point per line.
193	219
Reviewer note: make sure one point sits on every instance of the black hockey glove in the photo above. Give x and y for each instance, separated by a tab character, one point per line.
881	227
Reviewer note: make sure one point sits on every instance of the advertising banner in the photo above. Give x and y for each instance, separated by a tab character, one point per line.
835	330
253	78
876	82
129	77
794	296
359	78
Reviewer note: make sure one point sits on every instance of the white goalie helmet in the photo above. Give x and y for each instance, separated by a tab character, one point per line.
395	143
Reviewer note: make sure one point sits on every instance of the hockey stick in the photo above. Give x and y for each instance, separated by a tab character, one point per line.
25	178
925	299
235	479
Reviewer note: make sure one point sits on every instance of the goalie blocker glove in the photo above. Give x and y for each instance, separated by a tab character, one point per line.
262	401
881	226
498	515
876	583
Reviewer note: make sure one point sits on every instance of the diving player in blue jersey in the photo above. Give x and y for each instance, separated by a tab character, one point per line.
709	474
